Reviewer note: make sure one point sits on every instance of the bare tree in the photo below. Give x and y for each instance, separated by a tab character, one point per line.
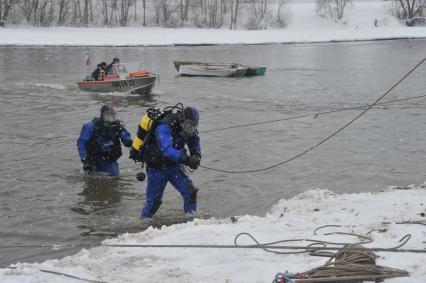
280	20
259	8
324	8
340	8
63	8
86	12
213	8
157	14
5	8
144	12
114	12
209	13
165	13
408	10
222	11
184	7
28	7
105	10
44	16
234	5
186	10
136	16
91	10
258	11
203	10
124	11
75	11
47	17
333	8
37	12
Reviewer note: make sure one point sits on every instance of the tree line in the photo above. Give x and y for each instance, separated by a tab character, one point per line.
165	13
233	14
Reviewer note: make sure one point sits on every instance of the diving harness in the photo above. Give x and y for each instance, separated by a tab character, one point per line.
148	123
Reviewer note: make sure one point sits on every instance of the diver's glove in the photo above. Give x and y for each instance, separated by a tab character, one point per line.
194	161
183	158
128	143
87	165
134	154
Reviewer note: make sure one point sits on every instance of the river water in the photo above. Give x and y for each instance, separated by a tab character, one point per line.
45	199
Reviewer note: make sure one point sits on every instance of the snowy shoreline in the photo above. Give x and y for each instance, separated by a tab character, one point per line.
157	37
212	44
385	217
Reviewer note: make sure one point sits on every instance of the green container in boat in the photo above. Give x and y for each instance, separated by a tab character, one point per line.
255	71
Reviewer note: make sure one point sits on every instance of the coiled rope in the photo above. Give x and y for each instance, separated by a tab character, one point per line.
352	262
324	140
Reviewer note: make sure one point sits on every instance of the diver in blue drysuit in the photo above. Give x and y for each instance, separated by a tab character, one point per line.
166	158
99	144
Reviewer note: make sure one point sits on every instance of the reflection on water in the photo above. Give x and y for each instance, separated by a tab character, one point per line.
103	214
101	204
101	195
124	98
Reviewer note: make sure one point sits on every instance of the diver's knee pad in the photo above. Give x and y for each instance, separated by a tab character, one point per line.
155	206
193	193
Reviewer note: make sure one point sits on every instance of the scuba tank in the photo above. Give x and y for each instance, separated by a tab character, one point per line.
146	128
147	122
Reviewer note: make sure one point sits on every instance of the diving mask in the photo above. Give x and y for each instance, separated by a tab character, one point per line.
189	126
109	117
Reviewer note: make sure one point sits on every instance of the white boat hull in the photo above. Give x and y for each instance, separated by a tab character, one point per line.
141	85
210	70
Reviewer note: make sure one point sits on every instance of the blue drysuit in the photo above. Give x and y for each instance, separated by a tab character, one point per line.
101	146
172	147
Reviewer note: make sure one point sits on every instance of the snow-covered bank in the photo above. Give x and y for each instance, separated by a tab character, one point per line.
377	213
364	21
163	37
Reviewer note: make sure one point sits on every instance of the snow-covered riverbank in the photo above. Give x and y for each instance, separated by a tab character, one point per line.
363	21
380	214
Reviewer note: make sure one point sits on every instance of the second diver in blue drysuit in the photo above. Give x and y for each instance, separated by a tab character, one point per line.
99	144
166	158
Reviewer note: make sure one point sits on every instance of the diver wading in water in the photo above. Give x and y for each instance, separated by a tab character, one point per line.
99	143
160	144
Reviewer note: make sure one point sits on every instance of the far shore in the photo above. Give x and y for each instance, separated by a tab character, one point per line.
154	37
215	44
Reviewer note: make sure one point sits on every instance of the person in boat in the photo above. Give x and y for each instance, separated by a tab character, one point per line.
108	68
99	73
166	157
99	144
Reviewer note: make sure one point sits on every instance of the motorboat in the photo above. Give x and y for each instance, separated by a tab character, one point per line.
193	68
123	77
196	68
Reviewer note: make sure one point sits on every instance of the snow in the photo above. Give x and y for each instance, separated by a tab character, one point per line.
305	26
295	218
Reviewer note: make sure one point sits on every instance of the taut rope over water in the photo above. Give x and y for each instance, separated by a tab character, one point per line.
327	138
